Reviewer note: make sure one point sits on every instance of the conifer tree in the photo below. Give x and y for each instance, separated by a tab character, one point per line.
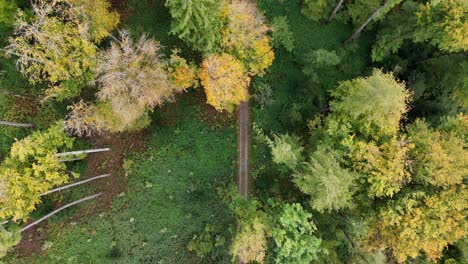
198	22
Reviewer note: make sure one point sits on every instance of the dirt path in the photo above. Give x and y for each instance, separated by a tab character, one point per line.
243	149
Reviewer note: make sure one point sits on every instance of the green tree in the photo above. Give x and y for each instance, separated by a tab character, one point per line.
329	185
198	22
281	33
293	234
316	61
317	9
374	105
7	12
286	149
363	12
441	23
8	239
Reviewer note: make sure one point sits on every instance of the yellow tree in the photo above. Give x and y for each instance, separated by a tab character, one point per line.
225	81
32	168
101	20
245	37
431	214
57	44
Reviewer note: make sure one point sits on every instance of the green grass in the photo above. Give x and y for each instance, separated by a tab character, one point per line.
171	195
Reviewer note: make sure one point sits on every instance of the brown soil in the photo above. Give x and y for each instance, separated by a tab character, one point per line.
121	6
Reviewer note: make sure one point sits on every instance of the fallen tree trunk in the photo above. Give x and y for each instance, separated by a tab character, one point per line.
13	124
75	184
358	31
58	210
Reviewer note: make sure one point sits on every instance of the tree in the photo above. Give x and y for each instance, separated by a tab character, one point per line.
245	37
294	236
439	158
319	60
383	165
8	239
183	74
441	23
249	244
329	185
224	80
198	22
286	149
317	9
32	168
420	222
373	105
281	33
79	121
358	14
7	11
444	24
54	48
101	21
133	80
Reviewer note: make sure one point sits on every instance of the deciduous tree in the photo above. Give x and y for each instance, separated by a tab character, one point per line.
101	20
441	23
32	168
133	80
373	105
246	37
329	185
294	236
225	81
54	47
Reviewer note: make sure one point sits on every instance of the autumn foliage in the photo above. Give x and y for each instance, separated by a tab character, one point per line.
31	169
246	37
225	81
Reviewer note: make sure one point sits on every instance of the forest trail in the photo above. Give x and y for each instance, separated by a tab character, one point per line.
243	149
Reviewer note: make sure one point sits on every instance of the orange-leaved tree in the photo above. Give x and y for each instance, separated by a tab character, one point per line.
225	81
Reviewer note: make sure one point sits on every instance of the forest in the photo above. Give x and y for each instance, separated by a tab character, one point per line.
234	131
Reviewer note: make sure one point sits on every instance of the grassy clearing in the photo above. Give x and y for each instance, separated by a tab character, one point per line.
171	195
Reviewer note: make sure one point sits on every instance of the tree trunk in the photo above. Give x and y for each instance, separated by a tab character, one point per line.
75	184
338	6
58	210
358	31
16	124
78	152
